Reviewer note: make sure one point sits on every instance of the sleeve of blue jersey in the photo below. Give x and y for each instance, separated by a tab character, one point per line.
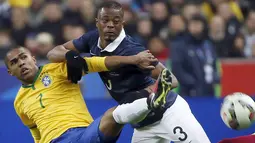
82	44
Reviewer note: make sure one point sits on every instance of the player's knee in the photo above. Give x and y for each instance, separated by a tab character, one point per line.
108	125
108	117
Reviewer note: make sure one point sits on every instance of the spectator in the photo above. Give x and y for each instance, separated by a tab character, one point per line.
175	5
45	44
158	48
32	44
232	23
177	31
52	22
144	19
130	21
5	15
35	13
144	31
88	12
218	37
20	27
189	10
209	9
139	6
238	47
20	3
72	11
39	44
159	15
176	27
5	38
249	31
72	31
78	31
194	61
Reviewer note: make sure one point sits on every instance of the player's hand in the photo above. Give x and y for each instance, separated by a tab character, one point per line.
146	60
76	65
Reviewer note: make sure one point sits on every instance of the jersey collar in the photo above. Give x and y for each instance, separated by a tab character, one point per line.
113	45
37	75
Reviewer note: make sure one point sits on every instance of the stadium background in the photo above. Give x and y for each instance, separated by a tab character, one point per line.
237	72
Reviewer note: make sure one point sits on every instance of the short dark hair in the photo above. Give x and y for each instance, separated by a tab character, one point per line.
110	4
13	46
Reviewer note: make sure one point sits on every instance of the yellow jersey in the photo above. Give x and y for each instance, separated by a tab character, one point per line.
52	104
208	12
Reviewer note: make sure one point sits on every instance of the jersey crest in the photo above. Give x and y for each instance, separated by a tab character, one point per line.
46	80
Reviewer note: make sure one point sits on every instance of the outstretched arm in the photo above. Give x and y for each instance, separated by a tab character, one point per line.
143	60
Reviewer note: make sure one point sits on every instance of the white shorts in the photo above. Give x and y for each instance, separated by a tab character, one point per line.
178	125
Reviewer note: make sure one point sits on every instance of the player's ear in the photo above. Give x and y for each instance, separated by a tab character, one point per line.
123	23
96	21
33	57
10	73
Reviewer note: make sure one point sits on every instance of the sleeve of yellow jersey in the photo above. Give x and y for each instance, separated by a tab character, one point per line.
95	64
32	127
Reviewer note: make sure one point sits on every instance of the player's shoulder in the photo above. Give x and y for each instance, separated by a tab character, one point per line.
51	66
92	35
131	46
130	42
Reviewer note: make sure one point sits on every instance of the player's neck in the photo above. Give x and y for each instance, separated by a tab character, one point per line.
104	44
31	79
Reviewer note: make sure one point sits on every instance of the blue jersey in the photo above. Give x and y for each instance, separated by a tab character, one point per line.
122	80
126	83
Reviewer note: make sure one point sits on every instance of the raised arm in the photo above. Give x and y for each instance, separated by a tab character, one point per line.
79	45
58	53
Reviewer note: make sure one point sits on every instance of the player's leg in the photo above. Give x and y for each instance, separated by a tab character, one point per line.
180	125
148	134
137	110
151	133
242	139
114	119
107	128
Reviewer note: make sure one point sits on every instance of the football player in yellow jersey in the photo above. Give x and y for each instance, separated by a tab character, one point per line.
54	109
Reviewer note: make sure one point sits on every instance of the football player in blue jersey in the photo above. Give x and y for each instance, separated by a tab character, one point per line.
128	83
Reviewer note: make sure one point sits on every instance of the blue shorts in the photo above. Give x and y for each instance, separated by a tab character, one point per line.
90	134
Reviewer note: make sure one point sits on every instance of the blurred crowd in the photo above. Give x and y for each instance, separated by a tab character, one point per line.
161	25
192	33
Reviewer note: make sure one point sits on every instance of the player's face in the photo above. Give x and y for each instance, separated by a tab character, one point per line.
21	64
109	23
